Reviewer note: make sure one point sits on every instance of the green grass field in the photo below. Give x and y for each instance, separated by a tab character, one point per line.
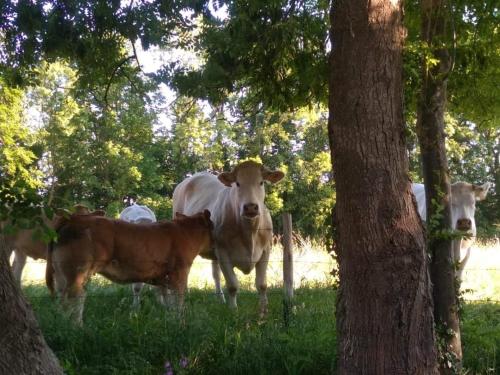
208	338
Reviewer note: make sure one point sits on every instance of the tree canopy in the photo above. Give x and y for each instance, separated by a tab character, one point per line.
86	123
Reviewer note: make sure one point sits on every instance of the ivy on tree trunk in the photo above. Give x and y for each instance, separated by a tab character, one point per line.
431	135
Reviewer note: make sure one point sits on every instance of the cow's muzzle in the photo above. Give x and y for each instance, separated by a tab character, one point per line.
464	224
250	210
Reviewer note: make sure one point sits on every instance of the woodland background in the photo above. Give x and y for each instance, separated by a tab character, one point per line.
83	121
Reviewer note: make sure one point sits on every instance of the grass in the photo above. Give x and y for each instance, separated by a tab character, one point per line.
213	340
115	340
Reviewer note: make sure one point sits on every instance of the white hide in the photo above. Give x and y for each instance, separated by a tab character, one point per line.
138	214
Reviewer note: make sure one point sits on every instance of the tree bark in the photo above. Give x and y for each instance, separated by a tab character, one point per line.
23	349
431	135
384	306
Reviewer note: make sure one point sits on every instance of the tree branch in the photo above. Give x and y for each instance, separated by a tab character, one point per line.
115	70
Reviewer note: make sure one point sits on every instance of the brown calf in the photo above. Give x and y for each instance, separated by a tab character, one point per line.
24	244
159	254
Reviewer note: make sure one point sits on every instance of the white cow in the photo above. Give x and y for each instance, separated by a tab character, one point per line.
463	207
242	223
137	214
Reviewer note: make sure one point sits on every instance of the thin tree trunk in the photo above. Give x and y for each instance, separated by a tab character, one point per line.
23	349
431	135
384	307
496	169
287	256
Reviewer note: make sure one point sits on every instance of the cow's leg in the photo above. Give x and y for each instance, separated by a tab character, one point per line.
261	281
70	276
456	244
136	291
59	282
231	280
457	254
166	296
74	297
161	295
178	285
216	275
467	244
18	265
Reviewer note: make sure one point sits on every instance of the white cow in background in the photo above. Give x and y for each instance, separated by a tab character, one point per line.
243	230
137	214
463	208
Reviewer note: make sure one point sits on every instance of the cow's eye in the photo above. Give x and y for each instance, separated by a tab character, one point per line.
237	184
261	183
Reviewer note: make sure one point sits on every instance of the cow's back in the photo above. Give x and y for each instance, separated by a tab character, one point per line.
138	214
25	242
197	193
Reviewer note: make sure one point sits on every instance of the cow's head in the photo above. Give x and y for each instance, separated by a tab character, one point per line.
247	179
463	204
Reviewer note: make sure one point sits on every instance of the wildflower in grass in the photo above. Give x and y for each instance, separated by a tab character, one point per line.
184	362
168	369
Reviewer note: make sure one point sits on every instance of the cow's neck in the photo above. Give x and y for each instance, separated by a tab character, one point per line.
249	230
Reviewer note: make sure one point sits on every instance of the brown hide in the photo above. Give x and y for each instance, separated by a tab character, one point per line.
25	242
155	253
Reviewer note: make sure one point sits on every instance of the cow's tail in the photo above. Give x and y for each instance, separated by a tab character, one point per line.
49	270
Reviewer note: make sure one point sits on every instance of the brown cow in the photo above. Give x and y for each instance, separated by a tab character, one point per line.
25	244
159	254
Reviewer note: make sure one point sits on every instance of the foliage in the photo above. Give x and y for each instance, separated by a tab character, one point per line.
263	68
277	49
19	179
91	34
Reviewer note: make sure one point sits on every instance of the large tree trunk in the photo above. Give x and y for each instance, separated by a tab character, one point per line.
23	349
384	312
431	135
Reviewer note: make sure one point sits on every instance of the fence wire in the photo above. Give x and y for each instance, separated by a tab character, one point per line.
479	285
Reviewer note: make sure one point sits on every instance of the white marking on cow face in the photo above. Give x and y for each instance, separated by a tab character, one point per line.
247	181
463	205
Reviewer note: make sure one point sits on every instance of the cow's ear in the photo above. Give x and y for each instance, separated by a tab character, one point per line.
481	191
273	176
227	178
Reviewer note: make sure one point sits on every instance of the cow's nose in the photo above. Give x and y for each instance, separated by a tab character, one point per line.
250	209
464	224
